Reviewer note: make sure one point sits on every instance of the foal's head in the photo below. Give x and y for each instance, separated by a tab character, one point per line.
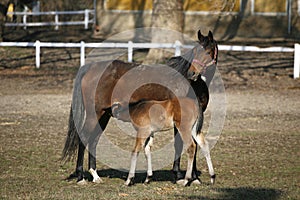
205	55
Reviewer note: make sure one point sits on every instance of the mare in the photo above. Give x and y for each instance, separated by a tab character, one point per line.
149	117
101	84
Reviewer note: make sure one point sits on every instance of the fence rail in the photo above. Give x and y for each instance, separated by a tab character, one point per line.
130	46
86	21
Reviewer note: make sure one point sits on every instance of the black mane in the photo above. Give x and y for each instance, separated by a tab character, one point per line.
181	63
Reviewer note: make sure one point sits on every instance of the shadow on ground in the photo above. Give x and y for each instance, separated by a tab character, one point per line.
245	193
160	175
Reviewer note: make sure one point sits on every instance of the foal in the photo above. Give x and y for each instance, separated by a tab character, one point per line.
149	117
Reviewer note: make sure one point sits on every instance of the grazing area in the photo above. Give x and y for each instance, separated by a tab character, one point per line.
256	157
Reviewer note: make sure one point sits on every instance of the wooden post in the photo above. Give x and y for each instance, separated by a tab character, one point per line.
37	54
297	61
177	48
130	51
82	53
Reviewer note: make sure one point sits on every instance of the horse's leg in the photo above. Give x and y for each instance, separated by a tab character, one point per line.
205	150
93	141
148	145
178	145
79	164
140	139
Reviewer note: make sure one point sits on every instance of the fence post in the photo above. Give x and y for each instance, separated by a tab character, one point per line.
177	48
297	61
56	21
37	54
25	21
130	51
86	19
82	53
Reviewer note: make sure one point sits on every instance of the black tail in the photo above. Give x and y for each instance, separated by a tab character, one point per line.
200	120
76	118
72	140
196	132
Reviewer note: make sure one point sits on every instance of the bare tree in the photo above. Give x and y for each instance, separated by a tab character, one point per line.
167	15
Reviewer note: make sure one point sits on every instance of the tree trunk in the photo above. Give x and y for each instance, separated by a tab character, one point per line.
3	10
98	15
167	26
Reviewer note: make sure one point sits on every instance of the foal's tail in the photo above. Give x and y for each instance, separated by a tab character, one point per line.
76	117
196	132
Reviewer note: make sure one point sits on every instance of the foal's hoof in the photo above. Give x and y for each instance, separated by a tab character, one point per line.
129	182
82	182
148	179
213	179
183	182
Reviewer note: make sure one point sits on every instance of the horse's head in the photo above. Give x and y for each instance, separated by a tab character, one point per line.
205	55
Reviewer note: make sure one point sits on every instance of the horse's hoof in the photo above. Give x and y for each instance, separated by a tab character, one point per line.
148	179
178	175
82	182
129	182
97	180
72	176
213	179
183	182
197	181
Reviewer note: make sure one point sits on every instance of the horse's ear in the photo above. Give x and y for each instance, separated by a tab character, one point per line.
200	36
210	36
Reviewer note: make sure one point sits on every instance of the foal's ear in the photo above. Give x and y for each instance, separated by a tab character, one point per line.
200	36
210	36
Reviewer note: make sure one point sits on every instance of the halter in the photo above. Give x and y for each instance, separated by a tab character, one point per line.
202	64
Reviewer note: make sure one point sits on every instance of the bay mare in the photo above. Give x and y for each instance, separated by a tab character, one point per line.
149	117
99	85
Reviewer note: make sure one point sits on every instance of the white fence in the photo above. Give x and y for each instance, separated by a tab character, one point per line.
86	21
130	46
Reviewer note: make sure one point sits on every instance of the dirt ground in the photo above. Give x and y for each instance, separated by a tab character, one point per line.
257	156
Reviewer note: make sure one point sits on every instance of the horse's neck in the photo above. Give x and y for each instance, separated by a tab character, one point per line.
182	63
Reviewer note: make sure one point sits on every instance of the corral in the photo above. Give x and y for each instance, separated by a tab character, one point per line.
256	157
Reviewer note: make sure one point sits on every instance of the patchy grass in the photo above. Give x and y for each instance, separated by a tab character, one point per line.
248	167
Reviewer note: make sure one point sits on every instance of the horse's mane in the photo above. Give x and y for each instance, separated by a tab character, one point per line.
181	63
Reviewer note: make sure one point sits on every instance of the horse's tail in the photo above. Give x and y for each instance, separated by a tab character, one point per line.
72	140
76	118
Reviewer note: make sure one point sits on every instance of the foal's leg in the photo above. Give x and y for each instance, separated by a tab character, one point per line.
196	179
140	140
148	145
191	153
178	145
191	150
93	141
